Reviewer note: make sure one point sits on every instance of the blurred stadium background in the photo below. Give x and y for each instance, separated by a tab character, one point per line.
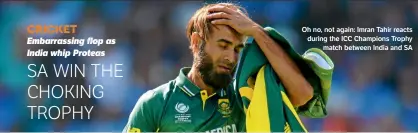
371	91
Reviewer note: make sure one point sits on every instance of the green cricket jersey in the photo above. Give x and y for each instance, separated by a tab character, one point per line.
180	106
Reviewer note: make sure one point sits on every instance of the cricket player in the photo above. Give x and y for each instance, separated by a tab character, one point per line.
202	98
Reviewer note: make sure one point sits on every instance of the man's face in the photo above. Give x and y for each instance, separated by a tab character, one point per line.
218	56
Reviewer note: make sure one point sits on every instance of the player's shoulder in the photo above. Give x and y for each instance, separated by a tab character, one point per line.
158	94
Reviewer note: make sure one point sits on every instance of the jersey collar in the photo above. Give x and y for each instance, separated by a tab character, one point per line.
188	87
185	84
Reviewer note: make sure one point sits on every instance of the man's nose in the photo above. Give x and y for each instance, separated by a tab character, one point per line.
231	56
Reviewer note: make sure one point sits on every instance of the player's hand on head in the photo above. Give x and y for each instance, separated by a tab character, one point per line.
236	19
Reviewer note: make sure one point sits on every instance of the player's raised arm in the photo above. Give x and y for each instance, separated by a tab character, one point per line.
299	90
142	118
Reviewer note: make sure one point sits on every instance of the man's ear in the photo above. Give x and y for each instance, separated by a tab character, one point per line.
195	42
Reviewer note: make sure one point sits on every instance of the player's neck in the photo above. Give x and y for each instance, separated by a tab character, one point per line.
195	77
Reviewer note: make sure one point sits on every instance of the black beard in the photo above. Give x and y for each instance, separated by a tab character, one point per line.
208	73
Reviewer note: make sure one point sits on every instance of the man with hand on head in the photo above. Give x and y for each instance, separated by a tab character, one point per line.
202	97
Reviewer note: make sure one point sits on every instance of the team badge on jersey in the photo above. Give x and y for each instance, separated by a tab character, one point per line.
224	107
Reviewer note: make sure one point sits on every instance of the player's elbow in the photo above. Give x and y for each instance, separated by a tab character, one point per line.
304	96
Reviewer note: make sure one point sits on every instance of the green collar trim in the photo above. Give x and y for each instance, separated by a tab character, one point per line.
188	87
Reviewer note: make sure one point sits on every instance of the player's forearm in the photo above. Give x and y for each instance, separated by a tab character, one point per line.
298	89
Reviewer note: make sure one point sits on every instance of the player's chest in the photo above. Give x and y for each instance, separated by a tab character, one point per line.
215	115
